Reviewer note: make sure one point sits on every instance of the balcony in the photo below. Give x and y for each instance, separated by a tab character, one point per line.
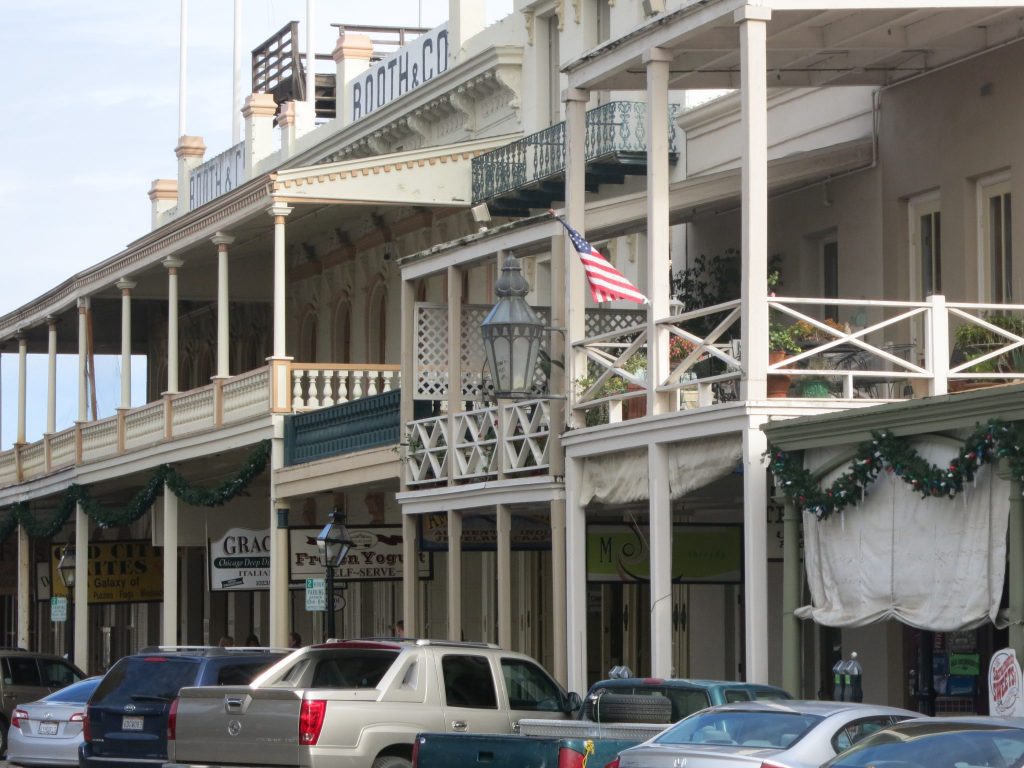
529	173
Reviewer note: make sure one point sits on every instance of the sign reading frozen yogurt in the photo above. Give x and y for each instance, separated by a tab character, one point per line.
376	555
240	560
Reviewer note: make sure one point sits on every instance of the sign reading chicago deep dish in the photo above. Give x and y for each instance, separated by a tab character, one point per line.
376	555
412	65
119	572
240	560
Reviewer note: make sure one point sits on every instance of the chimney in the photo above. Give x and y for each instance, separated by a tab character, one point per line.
352	58
465	19
163	195
190	151
259	111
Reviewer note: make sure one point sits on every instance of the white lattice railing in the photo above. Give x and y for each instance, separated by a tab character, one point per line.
33	460
427	451
99	439
144	426
526	427
62	449
476	437
322	385
246	395
192	411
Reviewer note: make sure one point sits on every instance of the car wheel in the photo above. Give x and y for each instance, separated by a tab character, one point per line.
392	761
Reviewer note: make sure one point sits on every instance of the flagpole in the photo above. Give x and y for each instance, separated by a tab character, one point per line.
236	85
182	67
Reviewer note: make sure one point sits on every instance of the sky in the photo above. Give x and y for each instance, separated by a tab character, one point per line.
90	119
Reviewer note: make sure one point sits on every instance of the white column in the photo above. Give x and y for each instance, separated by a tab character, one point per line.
576	570
454	575
22	385
279	211
125	286
222	240
755	551
83	358
661	560
455	407
575	209
51	377
658	262
279	607
559	566
504	567
173	265
24	585
169	635
410	575
81	588
752	21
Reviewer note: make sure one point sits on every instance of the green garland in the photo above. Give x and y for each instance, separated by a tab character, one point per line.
885	451
140	503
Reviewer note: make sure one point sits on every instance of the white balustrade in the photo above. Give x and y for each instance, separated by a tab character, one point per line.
320	386
192	411
476	437
33	460
426	451
144	426
526	427
8	468
99	439
246	395
62	449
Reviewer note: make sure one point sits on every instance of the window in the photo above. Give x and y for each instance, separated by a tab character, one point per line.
995	219
353	669
736	695
56	674
529	687
241	673
468	682
21	671
926	245
854	731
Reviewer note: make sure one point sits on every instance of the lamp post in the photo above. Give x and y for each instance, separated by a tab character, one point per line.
512	334
334	542
66	569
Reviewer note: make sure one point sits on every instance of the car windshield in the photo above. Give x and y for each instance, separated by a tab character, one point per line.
995	747
76	693
741	728
145	678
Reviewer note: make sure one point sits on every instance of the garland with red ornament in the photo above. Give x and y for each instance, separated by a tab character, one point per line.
887	452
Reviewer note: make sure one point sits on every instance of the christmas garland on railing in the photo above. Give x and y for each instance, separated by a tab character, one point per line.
885	451
140	503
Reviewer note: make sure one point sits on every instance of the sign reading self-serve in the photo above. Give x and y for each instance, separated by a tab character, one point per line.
412	65
119	572
376	555
240	559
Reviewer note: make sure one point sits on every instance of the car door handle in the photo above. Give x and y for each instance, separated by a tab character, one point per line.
458	725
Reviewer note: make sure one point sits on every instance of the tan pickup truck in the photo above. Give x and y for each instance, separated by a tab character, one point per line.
360	704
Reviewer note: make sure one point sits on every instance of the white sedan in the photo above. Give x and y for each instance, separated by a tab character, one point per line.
48	731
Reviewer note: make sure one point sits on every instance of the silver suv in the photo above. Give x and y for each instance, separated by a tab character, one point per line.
26	677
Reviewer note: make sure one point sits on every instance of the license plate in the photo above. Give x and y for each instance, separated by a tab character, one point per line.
131	723
47	729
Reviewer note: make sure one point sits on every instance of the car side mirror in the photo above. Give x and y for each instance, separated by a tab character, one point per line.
573	703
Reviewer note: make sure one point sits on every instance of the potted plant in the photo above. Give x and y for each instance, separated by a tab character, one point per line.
781	343
971	341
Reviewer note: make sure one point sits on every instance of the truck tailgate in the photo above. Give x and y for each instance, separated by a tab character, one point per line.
240	725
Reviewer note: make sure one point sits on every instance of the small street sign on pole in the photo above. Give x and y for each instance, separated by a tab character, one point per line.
58	609
316	595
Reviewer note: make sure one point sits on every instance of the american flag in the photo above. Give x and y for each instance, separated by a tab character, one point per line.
606	282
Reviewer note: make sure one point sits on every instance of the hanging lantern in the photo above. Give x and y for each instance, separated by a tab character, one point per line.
512	334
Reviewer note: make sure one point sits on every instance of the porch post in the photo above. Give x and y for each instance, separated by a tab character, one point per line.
280	212
576	568
410	614
661	559
755	551
279	598
83	357
658	263
752	22
575	213
1015	554
222	240
410	573
454	392
172	265
81	628
170	603
504	568
454	575
791	678
125	286
24	583
51	378
22	385
557	385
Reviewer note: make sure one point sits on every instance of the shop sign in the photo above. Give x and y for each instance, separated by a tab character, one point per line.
480	533
701	554
119	572
1004	685
376	555
217	176
414	64
240	560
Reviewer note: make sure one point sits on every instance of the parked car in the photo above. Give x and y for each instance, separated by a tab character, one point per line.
940	743
28	676
780	734
126	718
49	731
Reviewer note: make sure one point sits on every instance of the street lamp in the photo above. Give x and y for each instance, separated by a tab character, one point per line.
66	569
512	334
334	542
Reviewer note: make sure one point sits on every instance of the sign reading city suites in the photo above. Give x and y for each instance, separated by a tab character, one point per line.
240	559
376	555
119	572
414	64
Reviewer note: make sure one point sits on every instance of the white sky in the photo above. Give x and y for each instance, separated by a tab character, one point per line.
91	118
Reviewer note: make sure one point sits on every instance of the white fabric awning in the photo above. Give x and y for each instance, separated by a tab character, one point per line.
935	564
621	478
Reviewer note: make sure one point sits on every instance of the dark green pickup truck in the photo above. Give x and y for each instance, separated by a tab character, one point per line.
616	714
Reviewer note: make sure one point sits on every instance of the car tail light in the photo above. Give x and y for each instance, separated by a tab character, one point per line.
17	716
172	720
86	736
613	764
311	720
77	717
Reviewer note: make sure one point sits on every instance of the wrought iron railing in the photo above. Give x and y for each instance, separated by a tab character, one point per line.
612	128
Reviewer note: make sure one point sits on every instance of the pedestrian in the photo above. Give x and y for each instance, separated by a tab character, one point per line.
226	641
294	640
398	630
252	641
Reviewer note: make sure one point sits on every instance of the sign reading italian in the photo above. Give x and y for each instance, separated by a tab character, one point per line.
240	560
1004	685
701	554
119	572
376	555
